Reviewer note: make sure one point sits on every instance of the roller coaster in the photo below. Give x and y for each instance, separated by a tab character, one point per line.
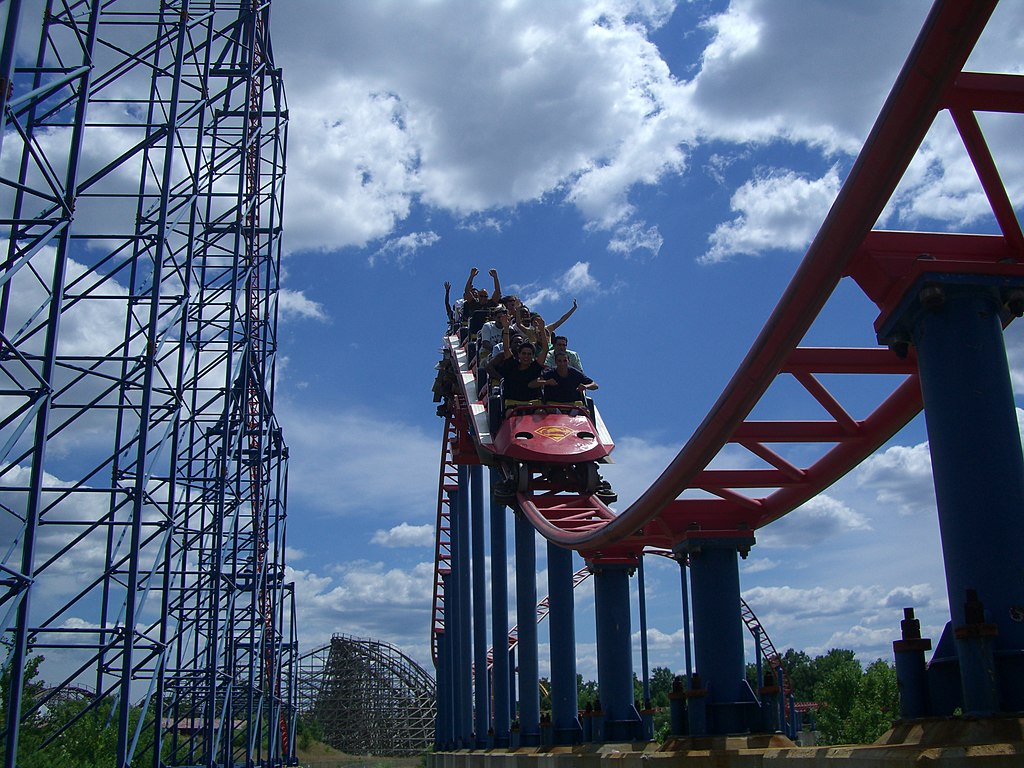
367	697
943	300
177	619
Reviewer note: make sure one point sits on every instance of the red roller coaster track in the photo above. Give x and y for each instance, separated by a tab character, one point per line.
883	264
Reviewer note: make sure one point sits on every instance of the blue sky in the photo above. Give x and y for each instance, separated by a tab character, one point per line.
664	163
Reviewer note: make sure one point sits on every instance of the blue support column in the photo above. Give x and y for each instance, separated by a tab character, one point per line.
453	628
693	695
718	634
512	701
482	719
955	323
646	713
464	607
526	618
499	620
615	652
442	723
911	669
562	626
645	666
687	642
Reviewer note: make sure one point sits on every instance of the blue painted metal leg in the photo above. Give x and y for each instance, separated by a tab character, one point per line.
718	635
911	671
453	624
562	625
512	702
499	619
687	641
645	666
615	653
646	713
442	728
978	470
526	618
453	628
482	719
464	607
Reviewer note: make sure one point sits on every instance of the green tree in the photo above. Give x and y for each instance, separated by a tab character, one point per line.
586	692
309	730
877	703
88	735
661	686
856	706
836	693
805	673
31	732
836	658
799	668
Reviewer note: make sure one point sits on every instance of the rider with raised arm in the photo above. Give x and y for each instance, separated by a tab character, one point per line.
520	374
554	326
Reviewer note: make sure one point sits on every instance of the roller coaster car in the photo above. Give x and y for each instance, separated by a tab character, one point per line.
561	446
544	433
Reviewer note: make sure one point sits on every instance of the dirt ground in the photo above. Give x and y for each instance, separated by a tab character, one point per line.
320	755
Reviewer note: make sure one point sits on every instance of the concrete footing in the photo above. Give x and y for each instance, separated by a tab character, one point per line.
936	743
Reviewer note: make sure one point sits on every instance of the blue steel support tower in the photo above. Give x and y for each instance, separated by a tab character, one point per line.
499	619
615	652
462	605
142	197
481	714
718	634
526	618
562	625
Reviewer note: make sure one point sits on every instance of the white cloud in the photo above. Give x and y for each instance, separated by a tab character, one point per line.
634	237
295	304
777	211
916	595
402	249
352	165
472	108
869	643
539	296
758	565
901	478
330	451
820	519
481	108
815	601
405	535
577	279
366	599
771	73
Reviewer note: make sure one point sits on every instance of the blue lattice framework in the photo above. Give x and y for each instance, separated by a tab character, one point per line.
142	469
